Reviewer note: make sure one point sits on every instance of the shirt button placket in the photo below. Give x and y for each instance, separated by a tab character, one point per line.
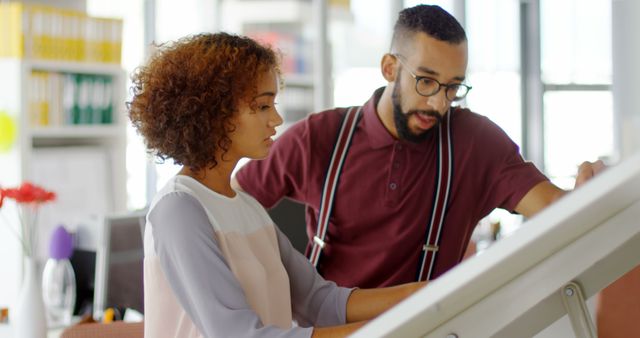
393	183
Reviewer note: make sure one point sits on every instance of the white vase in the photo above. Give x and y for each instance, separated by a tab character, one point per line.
29	319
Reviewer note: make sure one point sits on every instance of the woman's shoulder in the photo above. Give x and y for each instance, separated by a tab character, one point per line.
250	202
175	186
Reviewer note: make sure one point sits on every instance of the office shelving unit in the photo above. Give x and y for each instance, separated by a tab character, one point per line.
62	92
18	92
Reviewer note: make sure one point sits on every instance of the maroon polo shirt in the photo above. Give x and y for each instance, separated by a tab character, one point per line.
385	192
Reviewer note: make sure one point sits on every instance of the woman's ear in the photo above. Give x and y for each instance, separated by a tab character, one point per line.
388	67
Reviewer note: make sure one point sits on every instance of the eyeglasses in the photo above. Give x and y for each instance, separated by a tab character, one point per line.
427	86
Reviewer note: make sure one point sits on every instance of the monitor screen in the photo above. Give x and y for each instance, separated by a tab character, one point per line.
119	264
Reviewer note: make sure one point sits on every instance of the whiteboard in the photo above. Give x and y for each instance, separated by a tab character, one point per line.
591	236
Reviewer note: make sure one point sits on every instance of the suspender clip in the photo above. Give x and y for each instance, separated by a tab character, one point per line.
318	241
429	247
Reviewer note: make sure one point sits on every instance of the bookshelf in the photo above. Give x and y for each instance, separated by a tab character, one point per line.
62	92
84	163
18	98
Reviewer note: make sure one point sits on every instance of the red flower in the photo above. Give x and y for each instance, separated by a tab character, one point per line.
30	196
27	193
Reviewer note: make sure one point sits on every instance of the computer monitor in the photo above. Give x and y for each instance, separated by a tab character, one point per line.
119	263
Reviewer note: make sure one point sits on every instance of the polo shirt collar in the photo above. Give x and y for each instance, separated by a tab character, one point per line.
379	136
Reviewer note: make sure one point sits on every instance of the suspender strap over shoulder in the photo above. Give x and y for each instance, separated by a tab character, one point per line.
440	201
340	149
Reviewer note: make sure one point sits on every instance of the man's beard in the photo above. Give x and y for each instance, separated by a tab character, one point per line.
401	119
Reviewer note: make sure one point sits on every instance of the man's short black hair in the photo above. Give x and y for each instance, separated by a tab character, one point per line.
429	19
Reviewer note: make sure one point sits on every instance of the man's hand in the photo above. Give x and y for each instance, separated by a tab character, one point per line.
587	170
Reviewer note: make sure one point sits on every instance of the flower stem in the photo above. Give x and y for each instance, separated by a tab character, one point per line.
14	232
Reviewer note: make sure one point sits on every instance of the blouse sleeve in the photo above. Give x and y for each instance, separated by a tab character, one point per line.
316	301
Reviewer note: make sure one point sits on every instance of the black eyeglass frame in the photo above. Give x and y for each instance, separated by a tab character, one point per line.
448	86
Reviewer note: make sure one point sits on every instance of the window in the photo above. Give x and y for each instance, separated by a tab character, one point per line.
578	126
494	63
358	46
576	75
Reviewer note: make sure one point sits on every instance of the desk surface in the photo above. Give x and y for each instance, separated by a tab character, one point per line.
6	331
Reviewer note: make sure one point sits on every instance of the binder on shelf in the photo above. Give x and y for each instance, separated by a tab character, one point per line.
11	34
47	33
85	88
58	99
55	99
69	95
104	102
38	111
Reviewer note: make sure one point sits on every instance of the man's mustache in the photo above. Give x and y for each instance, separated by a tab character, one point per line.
429	113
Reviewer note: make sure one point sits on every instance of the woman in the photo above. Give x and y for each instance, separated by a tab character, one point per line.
215	264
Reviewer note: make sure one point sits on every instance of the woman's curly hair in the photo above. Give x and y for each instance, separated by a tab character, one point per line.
185	96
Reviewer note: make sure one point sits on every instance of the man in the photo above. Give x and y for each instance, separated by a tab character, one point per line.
417	175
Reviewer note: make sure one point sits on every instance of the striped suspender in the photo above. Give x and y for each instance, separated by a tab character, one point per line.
443	185
331	181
